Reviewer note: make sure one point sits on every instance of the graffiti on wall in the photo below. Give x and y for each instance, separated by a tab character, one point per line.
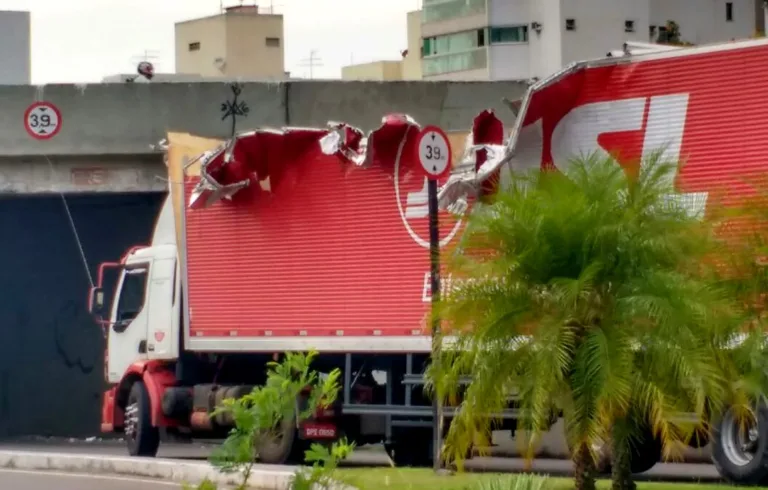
233	108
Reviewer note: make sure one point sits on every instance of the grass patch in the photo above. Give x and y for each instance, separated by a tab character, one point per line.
422	479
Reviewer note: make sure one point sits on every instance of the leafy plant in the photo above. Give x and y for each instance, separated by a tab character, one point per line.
324	461
260	414
525	481
586	293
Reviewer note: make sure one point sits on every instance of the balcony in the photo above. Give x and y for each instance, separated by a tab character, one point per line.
441	10
474	59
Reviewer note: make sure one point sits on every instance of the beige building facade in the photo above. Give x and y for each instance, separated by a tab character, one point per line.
242	42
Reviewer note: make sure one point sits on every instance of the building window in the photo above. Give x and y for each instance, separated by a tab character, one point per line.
453	43
476	59
663	37
729	11
272	42
194	46
509	34
629	26
570	24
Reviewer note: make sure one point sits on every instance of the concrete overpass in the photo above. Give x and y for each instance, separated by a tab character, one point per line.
107	129
51	353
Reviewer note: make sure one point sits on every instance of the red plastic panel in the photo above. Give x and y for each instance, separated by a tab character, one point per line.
329	248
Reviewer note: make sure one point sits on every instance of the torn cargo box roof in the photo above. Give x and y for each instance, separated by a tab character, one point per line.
259	160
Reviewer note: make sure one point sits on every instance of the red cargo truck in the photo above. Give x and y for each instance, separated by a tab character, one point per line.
303	239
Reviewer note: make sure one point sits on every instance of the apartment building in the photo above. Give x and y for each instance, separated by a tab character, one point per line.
15	48
524	39
242	41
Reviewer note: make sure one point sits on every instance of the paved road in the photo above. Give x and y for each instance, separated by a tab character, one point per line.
683	472
27	480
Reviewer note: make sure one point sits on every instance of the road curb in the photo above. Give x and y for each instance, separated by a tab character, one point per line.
262	477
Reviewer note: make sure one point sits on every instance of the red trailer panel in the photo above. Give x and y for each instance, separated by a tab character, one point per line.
705	106
314	247
317	251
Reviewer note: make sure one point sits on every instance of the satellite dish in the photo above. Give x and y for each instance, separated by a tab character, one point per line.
146	69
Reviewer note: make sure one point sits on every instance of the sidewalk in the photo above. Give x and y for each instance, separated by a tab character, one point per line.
263	477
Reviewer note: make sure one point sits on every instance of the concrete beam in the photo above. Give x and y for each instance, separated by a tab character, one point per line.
125	119
55	174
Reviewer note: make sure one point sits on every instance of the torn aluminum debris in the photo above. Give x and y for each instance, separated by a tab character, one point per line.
241	162
255	157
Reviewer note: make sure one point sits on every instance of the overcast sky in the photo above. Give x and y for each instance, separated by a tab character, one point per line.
84	40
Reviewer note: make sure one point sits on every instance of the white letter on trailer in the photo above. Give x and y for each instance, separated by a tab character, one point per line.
664	133
577	132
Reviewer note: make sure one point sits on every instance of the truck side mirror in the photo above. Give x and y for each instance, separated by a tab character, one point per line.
96	301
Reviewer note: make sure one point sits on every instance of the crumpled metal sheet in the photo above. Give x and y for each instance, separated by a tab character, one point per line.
243	162
465	183
248	160
478	171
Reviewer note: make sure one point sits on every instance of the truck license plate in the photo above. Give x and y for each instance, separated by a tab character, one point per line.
318	431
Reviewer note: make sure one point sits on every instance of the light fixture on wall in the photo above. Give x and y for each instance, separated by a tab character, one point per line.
536	26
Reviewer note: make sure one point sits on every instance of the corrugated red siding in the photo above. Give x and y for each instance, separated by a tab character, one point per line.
725	127
325	253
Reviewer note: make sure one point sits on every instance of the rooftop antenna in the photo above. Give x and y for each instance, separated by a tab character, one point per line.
312	61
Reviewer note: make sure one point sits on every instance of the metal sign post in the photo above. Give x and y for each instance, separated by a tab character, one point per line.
434	153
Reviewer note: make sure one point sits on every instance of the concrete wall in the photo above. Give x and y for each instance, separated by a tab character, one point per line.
39	174
125	119
705	22
600	27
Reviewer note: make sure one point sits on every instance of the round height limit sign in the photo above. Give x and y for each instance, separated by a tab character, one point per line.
42	120
434	152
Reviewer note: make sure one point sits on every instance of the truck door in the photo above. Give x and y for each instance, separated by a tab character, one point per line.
160	340
127	338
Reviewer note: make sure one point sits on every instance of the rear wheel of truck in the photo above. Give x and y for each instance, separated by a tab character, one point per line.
282	446
740	447
143	439
412	448
646	452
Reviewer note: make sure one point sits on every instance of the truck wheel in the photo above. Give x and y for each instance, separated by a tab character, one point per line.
414	450
143	439
283	447
645	453
740	449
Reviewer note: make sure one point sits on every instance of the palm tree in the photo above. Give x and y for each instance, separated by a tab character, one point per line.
743	271
583	292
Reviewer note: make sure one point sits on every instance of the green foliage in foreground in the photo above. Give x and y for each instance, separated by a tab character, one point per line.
418	479
588	291
258	416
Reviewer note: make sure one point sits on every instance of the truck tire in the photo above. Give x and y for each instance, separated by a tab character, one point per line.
740	451
646	452
411	450
285	448
142	438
